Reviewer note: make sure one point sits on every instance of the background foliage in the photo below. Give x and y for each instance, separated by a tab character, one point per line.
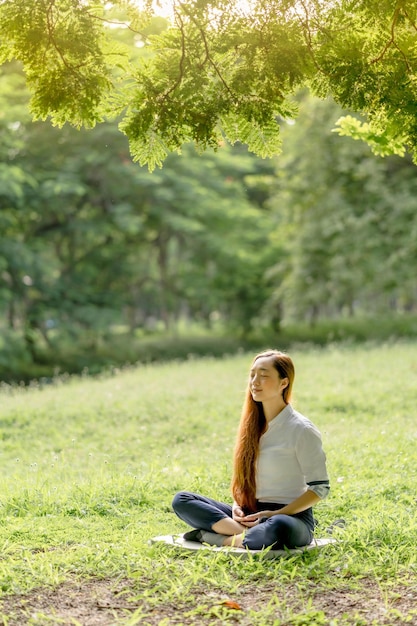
97	254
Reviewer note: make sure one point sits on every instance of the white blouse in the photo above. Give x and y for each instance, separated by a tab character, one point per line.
291	459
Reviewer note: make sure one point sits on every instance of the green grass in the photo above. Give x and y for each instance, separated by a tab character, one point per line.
89	468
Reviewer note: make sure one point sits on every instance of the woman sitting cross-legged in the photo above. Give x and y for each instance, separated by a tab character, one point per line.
279	470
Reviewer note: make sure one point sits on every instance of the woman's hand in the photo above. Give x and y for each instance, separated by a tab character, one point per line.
237	513
249	520
253	518
240	517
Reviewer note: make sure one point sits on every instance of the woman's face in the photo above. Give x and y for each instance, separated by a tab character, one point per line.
264	381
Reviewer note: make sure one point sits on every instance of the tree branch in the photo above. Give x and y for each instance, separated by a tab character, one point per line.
116	23
208	57
52	40
392	38
180	23
305	24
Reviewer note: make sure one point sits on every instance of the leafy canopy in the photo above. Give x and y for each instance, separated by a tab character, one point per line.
220	70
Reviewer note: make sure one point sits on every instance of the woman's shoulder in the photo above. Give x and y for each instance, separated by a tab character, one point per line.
299	420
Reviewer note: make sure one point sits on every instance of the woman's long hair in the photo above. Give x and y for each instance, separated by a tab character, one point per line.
252	426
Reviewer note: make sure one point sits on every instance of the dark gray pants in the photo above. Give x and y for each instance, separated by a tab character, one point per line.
278	531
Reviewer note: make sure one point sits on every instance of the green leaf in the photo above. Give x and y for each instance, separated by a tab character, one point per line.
262	139
381	144
149	150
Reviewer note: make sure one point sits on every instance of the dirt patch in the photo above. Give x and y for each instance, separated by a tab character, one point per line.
109	602
92	603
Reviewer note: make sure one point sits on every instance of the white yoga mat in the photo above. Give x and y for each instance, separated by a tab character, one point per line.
178	541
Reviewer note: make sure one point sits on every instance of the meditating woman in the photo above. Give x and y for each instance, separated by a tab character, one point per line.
279	470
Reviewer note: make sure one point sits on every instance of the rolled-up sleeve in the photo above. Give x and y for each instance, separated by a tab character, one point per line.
312	460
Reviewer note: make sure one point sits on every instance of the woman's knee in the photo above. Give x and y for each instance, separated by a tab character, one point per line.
279	532
181	499
287	531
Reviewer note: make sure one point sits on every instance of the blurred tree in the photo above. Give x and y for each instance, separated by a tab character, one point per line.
346	218
90	239
211	241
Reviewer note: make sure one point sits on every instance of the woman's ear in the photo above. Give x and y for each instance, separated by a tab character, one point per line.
284	383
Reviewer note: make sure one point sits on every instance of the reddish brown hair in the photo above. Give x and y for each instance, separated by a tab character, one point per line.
252	425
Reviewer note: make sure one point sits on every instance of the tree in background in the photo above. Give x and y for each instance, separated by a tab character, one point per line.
90	240
347	222
220	69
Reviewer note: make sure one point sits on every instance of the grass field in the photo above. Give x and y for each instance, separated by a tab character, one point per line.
89	468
